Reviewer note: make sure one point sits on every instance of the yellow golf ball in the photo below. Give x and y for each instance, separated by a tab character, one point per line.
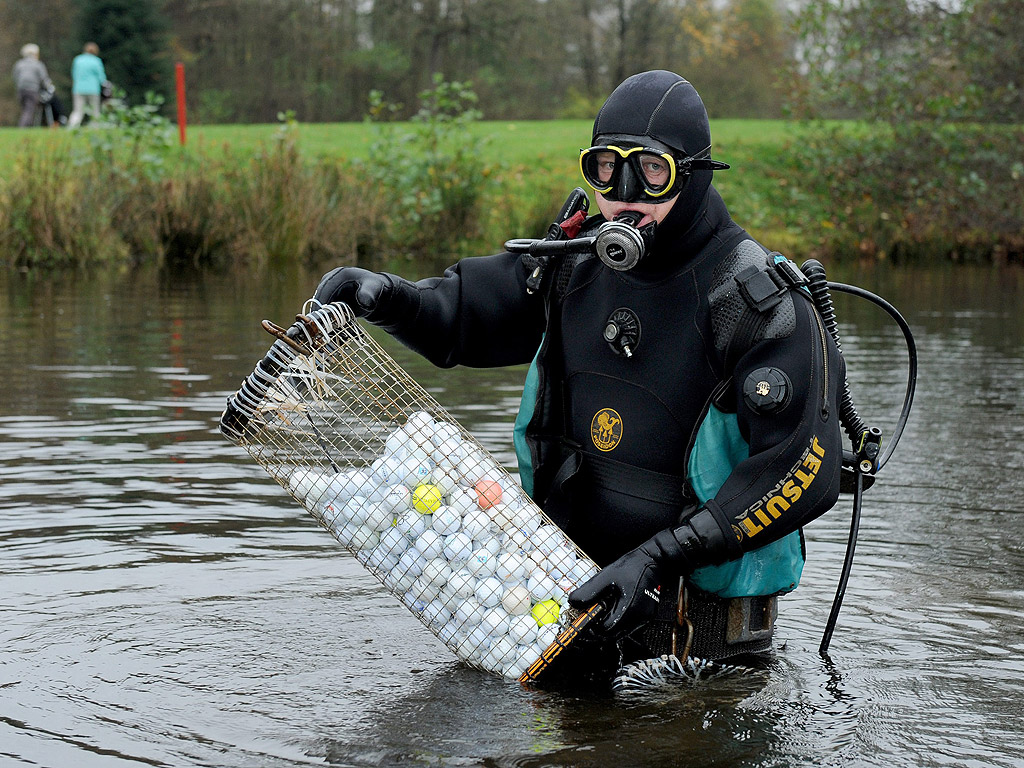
426	498
545	612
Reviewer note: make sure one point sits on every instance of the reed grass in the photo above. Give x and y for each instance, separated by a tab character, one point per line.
318	194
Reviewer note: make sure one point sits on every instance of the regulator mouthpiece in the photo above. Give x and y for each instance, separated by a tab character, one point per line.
619	244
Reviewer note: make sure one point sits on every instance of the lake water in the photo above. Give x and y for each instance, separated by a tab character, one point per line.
163	602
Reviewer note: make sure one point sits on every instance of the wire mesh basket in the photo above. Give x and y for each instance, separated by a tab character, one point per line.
409	492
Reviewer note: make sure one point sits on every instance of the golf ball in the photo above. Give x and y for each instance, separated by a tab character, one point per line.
488	493
489	591
446	521
546	612
426	498
458	548
516	600
523	629
511	566
481	563
429	544
462	584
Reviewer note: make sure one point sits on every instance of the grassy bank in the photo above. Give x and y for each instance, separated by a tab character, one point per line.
355	192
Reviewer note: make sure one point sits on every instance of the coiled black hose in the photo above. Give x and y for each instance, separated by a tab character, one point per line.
818	286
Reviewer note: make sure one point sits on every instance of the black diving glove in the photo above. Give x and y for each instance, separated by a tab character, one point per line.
631	587
382	298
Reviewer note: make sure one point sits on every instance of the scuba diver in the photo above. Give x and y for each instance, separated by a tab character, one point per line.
680	418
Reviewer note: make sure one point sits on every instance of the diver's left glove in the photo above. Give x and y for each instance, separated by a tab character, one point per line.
631	587
383	299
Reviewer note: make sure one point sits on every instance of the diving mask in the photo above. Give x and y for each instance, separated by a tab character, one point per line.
646	172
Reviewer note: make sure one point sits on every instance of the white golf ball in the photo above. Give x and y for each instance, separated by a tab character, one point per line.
565	586
514	666
394	541
462	584
354	510
468	613
436	572
495	621
502	515
301	481
446	480
419	419
464	502
423	590
560	563
437	614
365	538
583	571
403	581
501	649
317	488
541	586
415	471
526	520
458	548
349	483
547	538
445	434
330	511
481	563
479	640
448	632
380	558
398	445
446	521
492	544
511	567
412	523
516	600
398	498
474	467
522	629
546	635
520	540
489	591
410	563
379	470
429	544
379	515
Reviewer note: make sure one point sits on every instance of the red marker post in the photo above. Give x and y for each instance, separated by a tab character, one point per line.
179	76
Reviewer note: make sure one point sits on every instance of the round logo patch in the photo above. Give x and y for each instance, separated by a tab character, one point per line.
606	429
767	390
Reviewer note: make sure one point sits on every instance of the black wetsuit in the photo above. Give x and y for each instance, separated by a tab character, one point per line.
480	314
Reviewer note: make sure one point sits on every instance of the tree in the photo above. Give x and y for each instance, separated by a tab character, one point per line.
131	35
928	171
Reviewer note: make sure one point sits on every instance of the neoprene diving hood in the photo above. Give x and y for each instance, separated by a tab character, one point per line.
666	107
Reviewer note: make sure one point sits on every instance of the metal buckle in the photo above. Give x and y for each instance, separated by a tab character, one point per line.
759	288
682	622
790	273
751	618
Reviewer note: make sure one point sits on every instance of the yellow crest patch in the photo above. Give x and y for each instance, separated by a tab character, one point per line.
606	429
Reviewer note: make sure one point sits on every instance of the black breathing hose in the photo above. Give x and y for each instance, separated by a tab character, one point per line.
856	429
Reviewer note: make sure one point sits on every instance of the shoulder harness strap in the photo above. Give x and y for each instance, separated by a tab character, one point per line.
750	302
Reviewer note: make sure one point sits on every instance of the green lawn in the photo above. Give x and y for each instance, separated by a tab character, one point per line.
522	142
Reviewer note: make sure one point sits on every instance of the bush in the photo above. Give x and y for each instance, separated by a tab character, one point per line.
429	181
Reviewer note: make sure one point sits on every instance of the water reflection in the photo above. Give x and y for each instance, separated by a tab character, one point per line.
164	602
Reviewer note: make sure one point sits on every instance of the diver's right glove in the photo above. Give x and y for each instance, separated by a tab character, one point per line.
382	298
631	586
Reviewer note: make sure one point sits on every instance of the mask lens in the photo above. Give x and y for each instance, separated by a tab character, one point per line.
655	170
598	166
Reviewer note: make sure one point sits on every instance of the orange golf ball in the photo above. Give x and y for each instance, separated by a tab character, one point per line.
488	493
